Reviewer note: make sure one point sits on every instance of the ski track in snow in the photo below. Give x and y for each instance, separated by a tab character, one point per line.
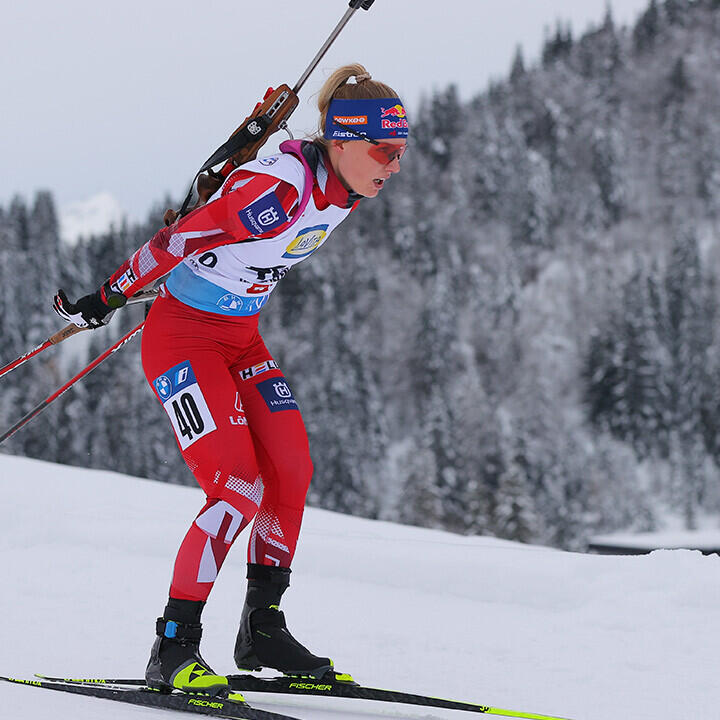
87	556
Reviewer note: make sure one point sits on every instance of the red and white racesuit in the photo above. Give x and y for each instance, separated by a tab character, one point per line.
235	418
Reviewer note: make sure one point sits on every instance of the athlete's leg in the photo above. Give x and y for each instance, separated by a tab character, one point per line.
283	456
281	448
186	357
190	376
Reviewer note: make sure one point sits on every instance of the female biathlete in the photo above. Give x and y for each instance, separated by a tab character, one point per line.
234	415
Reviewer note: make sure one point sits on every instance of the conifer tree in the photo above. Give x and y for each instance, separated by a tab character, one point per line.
647	28
514	516
517	69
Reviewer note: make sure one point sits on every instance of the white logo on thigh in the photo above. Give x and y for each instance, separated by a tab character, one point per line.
282	390
238	419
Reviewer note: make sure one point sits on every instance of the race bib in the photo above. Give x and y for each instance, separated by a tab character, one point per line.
184	403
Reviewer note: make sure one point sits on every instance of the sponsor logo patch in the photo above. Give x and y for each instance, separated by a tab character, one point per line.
268	161
124	281
271	274
239	419
277	394
262	367
397	111
163	386
238	304
351	119
263	215
392	125
306	242
399	123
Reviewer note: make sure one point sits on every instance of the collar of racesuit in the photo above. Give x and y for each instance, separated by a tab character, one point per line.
328	184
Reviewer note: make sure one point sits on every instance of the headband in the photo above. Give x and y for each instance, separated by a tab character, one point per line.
379	118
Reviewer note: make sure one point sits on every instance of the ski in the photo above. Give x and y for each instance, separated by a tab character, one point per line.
342	686
345	687
222	707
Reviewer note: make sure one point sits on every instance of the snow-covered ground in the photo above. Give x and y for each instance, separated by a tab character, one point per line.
86	560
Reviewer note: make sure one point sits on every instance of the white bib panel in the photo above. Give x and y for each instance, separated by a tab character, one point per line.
237	279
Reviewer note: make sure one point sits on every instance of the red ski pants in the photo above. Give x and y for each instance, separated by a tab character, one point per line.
240	432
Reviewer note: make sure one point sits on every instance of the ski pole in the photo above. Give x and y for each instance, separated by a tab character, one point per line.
85	371
68	331
354	5
268	117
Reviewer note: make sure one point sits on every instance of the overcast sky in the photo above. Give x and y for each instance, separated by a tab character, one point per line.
130	97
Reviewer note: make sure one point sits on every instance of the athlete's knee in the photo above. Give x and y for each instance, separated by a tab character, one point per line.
295	474
242	494
226	470
222	521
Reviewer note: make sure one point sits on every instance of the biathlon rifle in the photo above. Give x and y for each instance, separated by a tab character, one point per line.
267	118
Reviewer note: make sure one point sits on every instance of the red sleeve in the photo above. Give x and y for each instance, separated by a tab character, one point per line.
257	206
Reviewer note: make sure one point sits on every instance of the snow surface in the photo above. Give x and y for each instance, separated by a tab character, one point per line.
86	560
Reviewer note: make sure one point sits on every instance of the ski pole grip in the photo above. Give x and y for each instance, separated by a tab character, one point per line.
364	4
65	333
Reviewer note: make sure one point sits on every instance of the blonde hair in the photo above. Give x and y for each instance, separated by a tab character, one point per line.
337	86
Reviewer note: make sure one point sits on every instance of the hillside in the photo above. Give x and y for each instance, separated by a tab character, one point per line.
86	558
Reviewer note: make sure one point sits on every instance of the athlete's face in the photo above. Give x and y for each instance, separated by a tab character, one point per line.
364	167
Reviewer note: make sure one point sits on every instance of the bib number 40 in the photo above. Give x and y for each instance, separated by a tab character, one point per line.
183	400
187	415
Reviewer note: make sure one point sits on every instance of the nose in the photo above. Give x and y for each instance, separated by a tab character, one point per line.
394	165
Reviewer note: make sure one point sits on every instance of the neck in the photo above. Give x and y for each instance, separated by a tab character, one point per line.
332	158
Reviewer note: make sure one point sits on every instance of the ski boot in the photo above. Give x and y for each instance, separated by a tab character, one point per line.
263	639
175	660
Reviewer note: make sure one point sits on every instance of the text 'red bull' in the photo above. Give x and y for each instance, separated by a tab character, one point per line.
395	111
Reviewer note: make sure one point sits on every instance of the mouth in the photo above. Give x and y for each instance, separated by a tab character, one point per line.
379	182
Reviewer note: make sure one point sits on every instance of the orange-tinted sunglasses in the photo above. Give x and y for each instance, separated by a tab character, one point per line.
381	152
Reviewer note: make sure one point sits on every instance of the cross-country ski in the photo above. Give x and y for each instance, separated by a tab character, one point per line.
342	686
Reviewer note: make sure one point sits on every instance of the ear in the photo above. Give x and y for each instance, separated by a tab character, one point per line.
338	144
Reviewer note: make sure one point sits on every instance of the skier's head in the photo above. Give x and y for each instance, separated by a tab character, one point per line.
363	129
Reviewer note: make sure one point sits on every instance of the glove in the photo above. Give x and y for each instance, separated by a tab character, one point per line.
90	311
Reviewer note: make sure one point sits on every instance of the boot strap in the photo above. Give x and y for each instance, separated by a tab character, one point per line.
269	574
177	630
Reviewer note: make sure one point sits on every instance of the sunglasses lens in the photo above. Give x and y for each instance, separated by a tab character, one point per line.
385	153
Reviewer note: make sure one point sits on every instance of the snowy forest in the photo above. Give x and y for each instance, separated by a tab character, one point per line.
518	338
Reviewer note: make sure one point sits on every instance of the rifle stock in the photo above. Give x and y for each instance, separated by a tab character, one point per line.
242	146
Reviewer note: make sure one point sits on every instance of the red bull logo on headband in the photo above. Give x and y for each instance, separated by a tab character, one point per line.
397	111
398	121
379	118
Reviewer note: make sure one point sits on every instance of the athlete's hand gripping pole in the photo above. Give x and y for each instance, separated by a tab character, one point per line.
68	331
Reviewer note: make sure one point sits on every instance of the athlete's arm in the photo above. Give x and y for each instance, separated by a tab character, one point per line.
254	206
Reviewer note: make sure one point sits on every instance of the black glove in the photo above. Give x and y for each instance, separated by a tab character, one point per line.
90	311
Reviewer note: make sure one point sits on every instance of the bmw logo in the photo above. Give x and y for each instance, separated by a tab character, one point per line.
163	386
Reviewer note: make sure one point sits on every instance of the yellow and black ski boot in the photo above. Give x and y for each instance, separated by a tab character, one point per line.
175	660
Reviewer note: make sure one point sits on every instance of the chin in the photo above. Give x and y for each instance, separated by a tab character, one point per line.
370	192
